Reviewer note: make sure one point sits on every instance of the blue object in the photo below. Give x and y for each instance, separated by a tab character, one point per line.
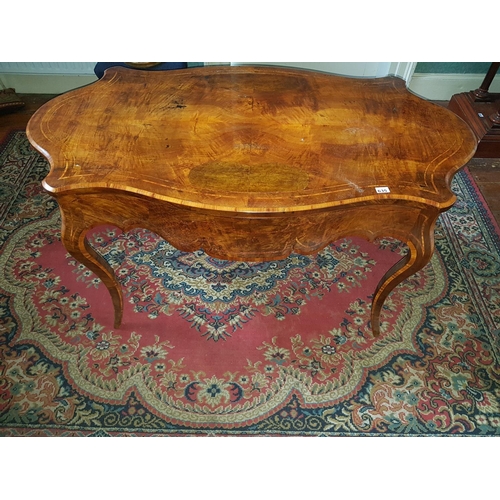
100	67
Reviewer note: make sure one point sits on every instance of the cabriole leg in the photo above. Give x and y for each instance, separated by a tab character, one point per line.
75	241
420	250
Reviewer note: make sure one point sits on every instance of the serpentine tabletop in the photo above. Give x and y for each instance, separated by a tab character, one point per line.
250	163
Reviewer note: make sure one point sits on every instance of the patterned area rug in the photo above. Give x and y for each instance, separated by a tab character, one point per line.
236	348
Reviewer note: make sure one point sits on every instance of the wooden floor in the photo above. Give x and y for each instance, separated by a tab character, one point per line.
486	172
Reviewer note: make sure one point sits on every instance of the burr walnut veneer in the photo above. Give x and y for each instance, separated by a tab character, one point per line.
250	163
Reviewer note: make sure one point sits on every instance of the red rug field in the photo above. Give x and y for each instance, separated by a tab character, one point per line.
211	347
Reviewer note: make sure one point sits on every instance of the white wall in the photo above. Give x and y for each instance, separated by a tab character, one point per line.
46	77
442	86
69	68
58	77
432	86
358	69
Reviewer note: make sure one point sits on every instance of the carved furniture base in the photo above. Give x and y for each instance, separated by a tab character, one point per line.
250	164
259	237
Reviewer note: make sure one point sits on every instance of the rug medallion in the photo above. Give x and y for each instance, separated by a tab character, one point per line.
216	346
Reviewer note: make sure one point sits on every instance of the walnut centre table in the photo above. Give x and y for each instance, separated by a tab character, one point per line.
250	163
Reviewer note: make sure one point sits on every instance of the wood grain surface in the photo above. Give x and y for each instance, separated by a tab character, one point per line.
251	163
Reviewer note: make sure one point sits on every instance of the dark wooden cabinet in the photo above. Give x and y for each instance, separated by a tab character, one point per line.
480	109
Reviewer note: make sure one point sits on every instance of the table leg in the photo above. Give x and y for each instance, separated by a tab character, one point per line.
76	243
420	249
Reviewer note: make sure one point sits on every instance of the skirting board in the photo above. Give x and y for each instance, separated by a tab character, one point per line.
441	87
433	86
44	84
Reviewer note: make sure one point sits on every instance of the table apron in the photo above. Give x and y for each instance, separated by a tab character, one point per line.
240	236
